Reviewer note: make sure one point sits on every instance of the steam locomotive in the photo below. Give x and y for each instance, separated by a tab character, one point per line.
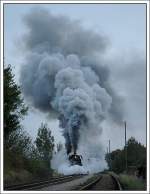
75	159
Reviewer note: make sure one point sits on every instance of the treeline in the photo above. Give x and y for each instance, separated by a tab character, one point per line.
136	157
24	159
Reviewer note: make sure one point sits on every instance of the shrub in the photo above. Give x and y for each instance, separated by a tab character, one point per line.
129	182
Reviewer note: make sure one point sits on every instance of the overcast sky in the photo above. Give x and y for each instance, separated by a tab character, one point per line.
125	27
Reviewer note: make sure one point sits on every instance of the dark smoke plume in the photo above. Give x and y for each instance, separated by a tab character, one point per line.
62	74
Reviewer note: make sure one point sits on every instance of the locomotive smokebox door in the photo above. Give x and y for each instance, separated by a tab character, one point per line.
75	159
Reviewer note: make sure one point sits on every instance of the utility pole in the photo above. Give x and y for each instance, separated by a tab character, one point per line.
109	153
107	150
126	164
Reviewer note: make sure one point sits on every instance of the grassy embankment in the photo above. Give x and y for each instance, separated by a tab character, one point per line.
19	169
132	183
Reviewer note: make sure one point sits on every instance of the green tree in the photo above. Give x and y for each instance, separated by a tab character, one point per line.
136	156
14	107
45	144
20	142
116	160
136	153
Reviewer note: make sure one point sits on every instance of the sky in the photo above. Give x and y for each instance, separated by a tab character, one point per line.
125	28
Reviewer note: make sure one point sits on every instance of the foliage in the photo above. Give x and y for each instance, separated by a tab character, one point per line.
15	167
116	160
45	143
14	107
23	159
136	153
131	183
20	142
136	156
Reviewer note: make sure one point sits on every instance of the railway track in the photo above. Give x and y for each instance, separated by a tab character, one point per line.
118	185
99	182
90	185
93	185
41	184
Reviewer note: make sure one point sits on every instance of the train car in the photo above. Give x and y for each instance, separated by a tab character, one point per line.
75	159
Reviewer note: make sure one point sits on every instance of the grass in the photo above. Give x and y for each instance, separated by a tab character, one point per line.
14	171
14	177
18	169
132	183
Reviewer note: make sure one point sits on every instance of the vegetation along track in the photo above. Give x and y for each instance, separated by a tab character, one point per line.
102	182
40	184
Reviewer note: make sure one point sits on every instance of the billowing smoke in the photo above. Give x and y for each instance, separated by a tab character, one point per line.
63	74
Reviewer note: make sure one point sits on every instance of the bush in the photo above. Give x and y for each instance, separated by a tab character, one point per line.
38	168
14	168
19	169
131	183
15	177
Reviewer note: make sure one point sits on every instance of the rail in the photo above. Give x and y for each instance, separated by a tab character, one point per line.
119	187
88	186
98	178
38	185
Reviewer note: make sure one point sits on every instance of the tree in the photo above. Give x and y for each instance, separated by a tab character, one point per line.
136	156
14	107
116	160
45	144
20	142
136	153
